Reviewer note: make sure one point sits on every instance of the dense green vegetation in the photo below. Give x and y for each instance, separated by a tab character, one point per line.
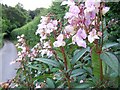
57	10
114	28
114	13
29	30
13	17
16	17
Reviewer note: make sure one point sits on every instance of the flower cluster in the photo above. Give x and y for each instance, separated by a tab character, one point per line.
45	28
24	51
34	52
83	26
83	21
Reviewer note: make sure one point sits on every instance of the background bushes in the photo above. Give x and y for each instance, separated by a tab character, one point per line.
29	30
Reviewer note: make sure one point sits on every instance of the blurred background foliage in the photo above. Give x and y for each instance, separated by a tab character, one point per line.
16	17
29	30
114	13
114	30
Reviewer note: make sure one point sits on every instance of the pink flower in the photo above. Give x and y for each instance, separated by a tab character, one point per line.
105	10
74	21
95	3
79	41
59	41
90	13
81	81
60	37
81	33
47	44
87	22
50	26
74	9
44	19
78	38
68	15
69	30
55	22
92	36
99	33
43	52
37	86
46	52
49	53
22	35
13	62
69	2
41	26
92	5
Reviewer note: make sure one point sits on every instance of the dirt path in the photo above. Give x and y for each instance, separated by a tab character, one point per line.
7	54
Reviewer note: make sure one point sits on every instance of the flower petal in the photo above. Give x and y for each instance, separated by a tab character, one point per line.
90	38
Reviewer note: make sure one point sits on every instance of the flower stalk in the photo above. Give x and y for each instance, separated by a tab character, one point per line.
100	61
64	56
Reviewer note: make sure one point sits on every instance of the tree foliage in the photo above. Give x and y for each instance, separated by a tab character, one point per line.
13	17
114	13
29	30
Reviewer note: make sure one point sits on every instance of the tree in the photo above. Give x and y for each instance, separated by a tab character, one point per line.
57	10
13	17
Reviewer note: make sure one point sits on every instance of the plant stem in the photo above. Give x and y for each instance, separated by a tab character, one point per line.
101	18
65	63
68	83
100	61
55	55
64	56
101	70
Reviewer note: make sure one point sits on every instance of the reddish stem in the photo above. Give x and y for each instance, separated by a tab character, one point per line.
64	56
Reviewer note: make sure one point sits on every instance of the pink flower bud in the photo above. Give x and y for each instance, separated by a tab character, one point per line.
99	33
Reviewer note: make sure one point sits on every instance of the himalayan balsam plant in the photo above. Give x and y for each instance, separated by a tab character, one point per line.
72	52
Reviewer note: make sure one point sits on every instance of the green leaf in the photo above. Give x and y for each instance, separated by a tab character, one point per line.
88	69
61	85
83	85
44	76
108	45
54	70
77	72
117	52
106	35
111	60
95	62
104	24
48	61
108	71
34	67
78	55
59	54
1	39
68	61
50	83
0	88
